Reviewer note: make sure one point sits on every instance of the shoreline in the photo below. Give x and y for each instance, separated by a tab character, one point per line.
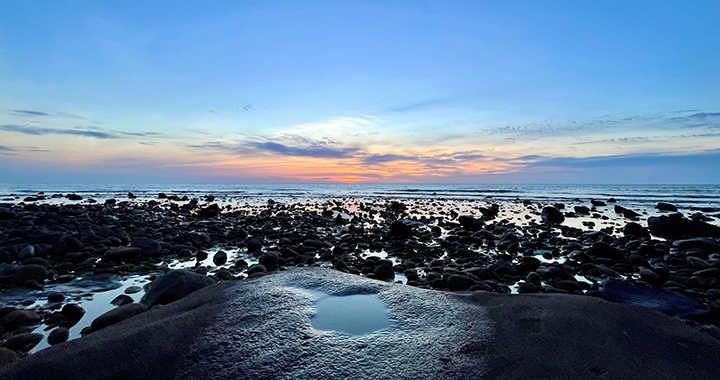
448	245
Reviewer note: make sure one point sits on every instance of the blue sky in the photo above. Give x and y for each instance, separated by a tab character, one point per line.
342	91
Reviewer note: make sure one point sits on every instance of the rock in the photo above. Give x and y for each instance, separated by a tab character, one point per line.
122	299
630	214
697	263
460	283
676	228
707	244
638	261
568	285
7	357
268	259
399	227
149	247
551	215
117	315
209	212
132	289
220	258
56	297
384	272
122	254
665	207
582	210
173	286
650	277
26	253
23	342
74	197
604	250
597	203
635	229
131	196
257	268
470	223
72	312
29	272
527	287
668	302
254	244
18	318
197	239
58	335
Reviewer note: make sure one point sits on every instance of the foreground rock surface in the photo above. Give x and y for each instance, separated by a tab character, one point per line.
261	329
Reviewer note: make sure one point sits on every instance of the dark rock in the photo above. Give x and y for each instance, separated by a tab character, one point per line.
630	214
122	299
582	210
268	259
117	315
26	253
209	212
668	302
399	227
197	239
460	283
122	254
7	357
257	268
173	286
384	272
676	228
18	318
23	342
568	285
74	197
665	207
254	244
481	286
132	289
551	215
597	203
72	312
220	258
707	244
56	297
604	250
149	247
29	272
470	223
58	335
527	287
635	229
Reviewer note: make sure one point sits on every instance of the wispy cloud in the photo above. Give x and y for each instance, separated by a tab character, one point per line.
38	131
318	151
31	114
423	104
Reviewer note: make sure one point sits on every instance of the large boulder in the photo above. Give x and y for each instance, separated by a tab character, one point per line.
635	229
551	215
173	286
460	283
677	227
209	212
399	227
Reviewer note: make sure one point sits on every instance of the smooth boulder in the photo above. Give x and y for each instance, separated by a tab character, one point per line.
173	286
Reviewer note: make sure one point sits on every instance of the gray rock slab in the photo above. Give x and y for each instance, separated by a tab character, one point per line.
261	329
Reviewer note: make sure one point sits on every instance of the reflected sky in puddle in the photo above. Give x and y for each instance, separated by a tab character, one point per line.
357	314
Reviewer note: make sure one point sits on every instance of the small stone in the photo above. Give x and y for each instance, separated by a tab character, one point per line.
23	342
650	276
18	318
122	300
132	289
28	273
117	315
527	287
551	215
7	357
72	312
268	259
220	258
460	283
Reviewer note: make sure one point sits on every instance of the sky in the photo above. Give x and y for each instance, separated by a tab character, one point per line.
360	91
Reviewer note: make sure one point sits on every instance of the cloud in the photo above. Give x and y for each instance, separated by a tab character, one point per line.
629	160
29	113
375	159
37	131
138	134
6	148
429	103
311	151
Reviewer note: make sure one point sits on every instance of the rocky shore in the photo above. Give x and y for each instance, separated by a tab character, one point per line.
669	262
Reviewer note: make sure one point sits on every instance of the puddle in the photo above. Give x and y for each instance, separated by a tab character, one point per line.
357	314
94	307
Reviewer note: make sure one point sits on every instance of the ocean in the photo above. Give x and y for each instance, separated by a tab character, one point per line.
705	198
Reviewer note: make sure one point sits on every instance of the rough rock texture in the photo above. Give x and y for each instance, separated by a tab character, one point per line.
225	332
675	227
173	286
